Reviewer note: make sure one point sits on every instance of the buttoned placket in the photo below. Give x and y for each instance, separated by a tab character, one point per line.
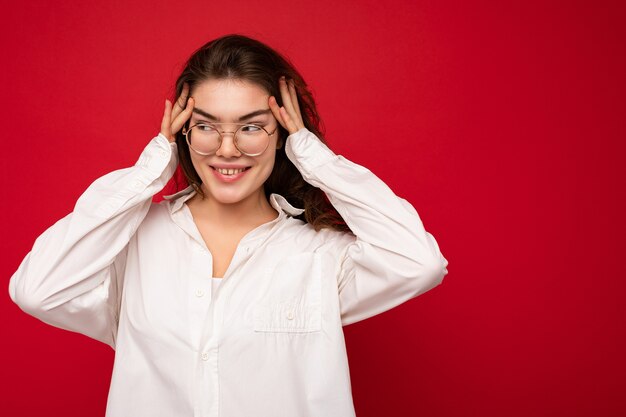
207	378
206	309
199	295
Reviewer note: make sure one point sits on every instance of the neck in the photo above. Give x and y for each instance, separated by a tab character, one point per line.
253	210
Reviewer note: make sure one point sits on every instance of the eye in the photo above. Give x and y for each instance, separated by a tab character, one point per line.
250	128
205	128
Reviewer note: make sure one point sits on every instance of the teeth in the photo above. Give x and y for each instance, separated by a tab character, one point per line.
229	171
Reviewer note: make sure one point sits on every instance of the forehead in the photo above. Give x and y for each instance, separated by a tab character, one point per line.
229	98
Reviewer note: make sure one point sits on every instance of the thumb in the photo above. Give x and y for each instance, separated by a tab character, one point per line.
165	122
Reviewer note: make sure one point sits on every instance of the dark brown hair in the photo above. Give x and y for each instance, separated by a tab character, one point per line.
240	57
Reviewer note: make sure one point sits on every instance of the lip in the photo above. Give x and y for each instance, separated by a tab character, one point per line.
229	178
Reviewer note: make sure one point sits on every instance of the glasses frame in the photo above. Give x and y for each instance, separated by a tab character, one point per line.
187	131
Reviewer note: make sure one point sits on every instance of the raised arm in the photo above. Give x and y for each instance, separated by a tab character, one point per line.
73	276
392	258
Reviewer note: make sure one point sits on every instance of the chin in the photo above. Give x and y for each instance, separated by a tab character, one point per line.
229	199
228	196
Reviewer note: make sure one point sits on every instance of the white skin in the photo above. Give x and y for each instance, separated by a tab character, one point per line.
231	209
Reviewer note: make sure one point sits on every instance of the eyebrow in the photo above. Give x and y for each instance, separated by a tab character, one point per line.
241	119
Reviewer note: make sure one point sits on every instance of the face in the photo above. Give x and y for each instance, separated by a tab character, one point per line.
226	101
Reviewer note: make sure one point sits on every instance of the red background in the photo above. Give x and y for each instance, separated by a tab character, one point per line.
502	122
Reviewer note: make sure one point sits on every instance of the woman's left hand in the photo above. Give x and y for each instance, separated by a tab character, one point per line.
289	115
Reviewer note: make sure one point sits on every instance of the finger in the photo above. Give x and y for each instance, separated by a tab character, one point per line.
291	127
276	111
180	103
165	122
284	91
182	118
294	98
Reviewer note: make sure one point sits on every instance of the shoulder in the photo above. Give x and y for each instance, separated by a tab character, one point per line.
160	208
304	237
159	214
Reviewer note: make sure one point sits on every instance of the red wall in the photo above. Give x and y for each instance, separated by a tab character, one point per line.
502	122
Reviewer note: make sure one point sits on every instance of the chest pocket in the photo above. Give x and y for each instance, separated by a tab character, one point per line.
292	300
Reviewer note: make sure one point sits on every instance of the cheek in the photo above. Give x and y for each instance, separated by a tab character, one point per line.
269	161
197	165
269	167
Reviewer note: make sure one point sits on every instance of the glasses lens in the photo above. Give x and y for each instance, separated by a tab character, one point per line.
252	140
204	138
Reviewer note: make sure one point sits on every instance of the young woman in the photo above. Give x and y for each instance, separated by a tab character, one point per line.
228	298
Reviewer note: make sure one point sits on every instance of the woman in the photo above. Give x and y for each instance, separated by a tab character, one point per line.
228	298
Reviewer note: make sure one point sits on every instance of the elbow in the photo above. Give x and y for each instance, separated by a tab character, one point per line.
433	267
25	300
436	270
429	274
28	289
26	303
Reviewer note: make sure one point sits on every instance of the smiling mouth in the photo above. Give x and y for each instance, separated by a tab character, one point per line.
230	171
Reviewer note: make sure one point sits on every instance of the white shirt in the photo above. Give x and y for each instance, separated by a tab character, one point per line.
267	340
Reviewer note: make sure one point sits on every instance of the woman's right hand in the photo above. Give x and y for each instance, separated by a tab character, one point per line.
173	120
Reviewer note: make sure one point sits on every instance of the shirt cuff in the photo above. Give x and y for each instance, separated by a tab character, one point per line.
157	154
307	151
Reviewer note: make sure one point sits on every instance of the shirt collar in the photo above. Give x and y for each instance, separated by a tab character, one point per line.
280	203
277	201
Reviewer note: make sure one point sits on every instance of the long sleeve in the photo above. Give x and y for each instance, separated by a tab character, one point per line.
393	258
73	276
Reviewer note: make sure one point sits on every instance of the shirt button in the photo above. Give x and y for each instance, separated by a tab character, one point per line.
199	293
163	153
290	315
205	356
136	185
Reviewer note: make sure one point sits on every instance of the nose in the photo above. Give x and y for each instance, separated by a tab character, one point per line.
227	148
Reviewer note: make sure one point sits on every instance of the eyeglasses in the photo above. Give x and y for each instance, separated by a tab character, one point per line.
205	139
